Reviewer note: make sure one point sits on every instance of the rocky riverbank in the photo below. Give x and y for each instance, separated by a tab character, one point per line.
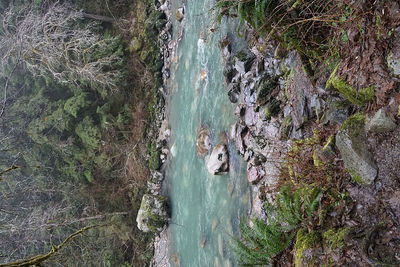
279	103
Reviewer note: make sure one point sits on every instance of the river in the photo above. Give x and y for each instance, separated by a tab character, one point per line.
206	209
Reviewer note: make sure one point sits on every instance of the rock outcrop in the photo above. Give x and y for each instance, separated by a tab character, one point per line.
153	213
352	143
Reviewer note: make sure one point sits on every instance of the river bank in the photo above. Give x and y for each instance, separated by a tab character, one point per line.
317	131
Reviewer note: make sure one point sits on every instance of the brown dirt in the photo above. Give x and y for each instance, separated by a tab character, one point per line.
370	37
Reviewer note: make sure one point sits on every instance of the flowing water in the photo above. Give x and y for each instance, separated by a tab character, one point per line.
206	209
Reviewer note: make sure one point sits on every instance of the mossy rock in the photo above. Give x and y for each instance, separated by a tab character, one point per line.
154	154
352	143
153	213
265	87
358	97
286	126
272	108
305	243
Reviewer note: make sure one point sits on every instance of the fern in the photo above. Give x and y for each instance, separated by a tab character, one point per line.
261	242
258	244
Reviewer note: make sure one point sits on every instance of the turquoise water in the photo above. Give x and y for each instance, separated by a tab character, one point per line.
206	209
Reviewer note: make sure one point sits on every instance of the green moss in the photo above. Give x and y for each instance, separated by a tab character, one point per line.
285	127
353	122
271	109
358	97
265	87
241	55
135	45
154	154
335	238
304	241
357	178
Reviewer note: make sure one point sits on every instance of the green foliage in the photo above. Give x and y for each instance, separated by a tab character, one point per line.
154	154
296	208
304	241
258	244
335	238
358	97
302	25
262	241
75	103
88	133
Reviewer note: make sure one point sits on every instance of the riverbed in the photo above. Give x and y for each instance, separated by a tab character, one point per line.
205	209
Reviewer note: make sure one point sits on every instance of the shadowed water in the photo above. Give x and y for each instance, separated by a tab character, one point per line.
205	209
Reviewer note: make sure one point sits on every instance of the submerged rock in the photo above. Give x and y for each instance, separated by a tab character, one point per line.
203	143
352	143
214	224
152	215
218	162
380	123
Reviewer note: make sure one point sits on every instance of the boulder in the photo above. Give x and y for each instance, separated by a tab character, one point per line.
152	215
180	14
228	73
352	143
243	61
218	162
234	92
380	123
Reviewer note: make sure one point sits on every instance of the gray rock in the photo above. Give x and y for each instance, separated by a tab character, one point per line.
152	215
380	123
393	61
352	143
285	128
234	92
228	73
243	61
299	92
253	174
218	162
337	112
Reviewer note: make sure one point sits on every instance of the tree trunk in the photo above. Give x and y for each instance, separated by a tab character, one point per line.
97	17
